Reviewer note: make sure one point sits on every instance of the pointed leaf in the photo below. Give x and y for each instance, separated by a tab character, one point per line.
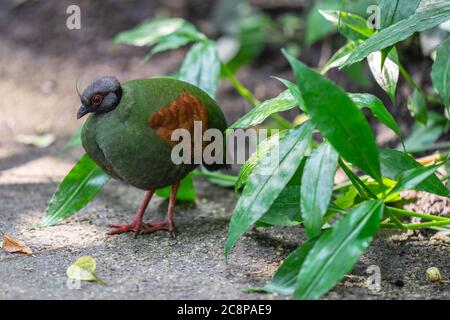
385	75
152	32
284	280
285	210
378	109
422	136
340	56
352	26
76	190
317	187
393	11
294	91
316	26
410	179
394	163
440	73
263	148
337	117
284	101
337	250
425	17
263	187
201	67
417	106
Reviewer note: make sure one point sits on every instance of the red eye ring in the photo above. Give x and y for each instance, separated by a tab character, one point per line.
97	99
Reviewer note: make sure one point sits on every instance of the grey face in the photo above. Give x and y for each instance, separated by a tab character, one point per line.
101	96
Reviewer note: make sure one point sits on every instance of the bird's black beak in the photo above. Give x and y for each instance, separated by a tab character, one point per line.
82	111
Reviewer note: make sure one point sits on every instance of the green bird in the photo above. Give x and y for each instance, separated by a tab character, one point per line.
128	134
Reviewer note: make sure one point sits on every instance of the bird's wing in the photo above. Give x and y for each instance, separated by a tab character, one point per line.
184	112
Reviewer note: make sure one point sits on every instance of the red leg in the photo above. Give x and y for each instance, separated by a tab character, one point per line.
136	225
167	223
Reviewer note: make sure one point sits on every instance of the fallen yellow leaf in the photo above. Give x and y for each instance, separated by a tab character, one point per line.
12	245
83	269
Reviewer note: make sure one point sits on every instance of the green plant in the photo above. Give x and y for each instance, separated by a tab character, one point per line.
340	220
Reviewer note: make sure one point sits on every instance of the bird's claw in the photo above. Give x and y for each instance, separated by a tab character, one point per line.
122	228
165	225
145	228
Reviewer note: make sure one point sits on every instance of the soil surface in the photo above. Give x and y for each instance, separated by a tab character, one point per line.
40	61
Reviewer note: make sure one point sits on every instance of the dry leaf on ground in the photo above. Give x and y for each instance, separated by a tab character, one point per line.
12	245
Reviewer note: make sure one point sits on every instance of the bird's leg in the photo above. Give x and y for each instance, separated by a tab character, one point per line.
167	223
136	225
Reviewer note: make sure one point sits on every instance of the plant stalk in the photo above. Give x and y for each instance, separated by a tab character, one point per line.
415	226
415	86
250	98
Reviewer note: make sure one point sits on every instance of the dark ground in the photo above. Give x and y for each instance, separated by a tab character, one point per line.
39	62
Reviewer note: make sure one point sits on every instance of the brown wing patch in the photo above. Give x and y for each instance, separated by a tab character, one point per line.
181	113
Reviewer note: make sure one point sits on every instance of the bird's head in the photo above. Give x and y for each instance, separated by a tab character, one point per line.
101	96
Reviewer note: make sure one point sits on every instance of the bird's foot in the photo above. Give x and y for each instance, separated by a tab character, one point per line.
166	225
122	228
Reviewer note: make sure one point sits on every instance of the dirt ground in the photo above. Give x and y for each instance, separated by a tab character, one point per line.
40	61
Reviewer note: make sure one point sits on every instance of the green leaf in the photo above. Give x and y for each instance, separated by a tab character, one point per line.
283	281
423	137
172	41
285	211
150	33
338	119
394	163
317	187
186	191
76	190
265	184
218	178
352	26
337	250
440	73
316	26
284	101
251	37
201	67
263	148
386	75
417	107
376	106
347	200
410	179
339	57
425	17
294	91
393	11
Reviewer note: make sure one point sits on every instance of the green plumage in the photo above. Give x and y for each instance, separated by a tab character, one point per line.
123	144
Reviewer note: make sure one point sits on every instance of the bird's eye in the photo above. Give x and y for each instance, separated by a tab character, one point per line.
96	99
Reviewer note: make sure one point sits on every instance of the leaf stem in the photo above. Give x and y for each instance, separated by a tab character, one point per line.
215	175
250	98
414	226
415	86
424	216
434	146
394	219
363	190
